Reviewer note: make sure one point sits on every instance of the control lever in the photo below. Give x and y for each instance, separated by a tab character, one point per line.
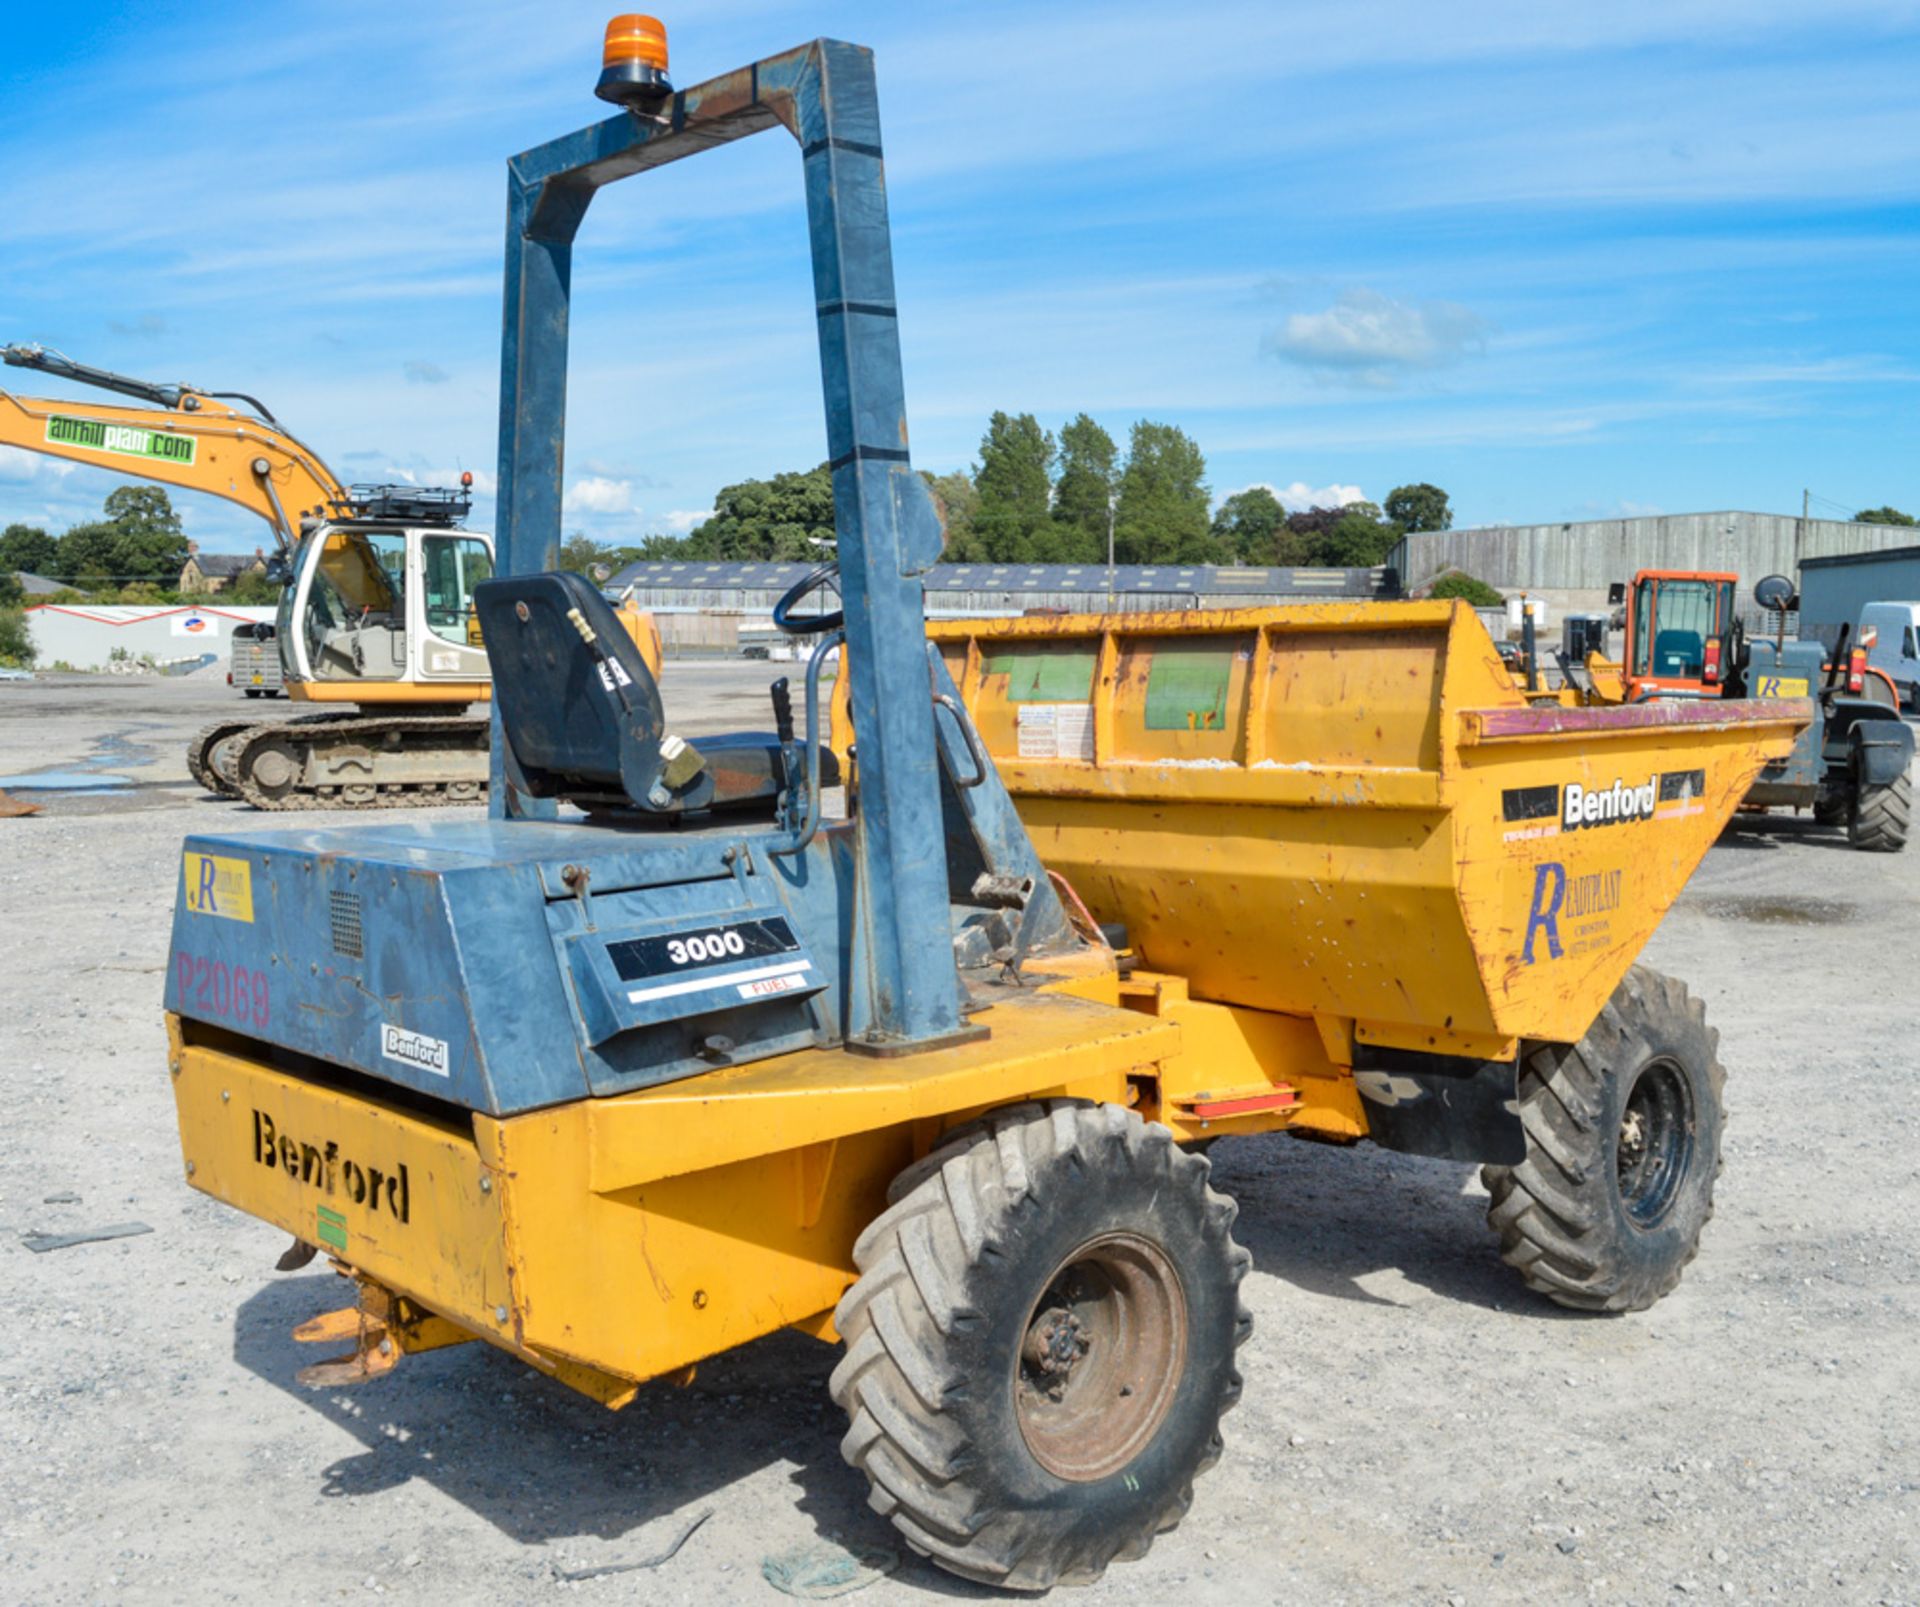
782	695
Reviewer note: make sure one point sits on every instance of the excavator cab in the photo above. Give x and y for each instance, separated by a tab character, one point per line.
379	604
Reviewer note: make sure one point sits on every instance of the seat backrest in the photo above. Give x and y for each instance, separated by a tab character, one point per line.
582	716
1678	652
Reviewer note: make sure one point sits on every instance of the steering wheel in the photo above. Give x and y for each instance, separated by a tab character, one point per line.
804	587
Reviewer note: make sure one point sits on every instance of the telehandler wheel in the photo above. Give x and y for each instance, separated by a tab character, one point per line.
1623	1146
1881	816
1834	806
1040	1345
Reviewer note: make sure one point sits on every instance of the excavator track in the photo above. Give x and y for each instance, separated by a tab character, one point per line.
200	753
363	762
210	755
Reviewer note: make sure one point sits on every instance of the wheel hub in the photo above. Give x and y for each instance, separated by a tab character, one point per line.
1055	1342
1654	1149
1102	1357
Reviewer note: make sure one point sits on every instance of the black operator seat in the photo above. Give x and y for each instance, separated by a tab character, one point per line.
582	716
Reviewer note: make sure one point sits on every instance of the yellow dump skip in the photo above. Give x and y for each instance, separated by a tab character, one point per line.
1351	811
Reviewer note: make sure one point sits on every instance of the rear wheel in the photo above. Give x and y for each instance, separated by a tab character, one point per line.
1623	1146
1040	1345
1880	816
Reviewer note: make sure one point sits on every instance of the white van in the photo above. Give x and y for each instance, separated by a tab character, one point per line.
1897	649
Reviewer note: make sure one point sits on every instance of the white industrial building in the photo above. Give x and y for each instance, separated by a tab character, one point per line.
96	636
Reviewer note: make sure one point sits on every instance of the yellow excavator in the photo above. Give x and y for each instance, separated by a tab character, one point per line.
376	623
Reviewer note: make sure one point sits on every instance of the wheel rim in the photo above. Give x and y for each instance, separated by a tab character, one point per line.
1101	1357
1655	1147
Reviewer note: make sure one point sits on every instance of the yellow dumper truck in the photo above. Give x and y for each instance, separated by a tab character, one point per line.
620	1089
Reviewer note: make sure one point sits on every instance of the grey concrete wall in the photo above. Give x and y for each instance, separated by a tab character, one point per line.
1575	562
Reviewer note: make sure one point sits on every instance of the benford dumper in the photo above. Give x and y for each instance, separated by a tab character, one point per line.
619	1088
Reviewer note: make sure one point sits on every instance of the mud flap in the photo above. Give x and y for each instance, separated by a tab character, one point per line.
1440	1105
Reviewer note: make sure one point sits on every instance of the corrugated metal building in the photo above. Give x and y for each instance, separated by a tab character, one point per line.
962	589
84	636
1571	564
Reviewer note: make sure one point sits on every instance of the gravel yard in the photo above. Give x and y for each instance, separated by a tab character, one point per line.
1416	1426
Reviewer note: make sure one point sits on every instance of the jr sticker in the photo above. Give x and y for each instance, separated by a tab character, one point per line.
123	439
415	1050
219	886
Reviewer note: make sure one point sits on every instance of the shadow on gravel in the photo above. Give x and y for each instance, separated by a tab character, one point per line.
542	1464
1322	1217
1770	832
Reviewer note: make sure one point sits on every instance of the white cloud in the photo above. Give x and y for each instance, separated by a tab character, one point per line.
595	493
420	372
681	520
18	467
1370	339
1300	496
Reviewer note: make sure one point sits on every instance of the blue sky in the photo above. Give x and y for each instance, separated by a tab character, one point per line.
1566	260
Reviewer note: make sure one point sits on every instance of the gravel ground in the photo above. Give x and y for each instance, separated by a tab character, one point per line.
1416	1427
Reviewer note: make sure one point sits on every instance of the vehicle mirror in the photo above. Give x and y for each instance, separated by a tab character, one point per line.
1616	593
1775	592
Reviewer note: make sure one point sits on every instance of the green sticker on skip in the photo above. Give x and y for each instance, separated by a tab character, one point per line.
332	1229
127	440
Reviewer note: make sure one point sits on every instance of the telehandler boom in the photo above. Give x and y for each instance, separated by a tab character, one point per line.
620	1093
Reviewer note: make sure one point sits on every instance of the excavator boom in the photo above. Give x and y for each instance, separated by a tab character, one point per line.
186	438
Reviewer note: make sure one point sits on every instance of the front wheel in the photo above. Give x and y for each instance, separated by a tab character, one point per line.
1623	1146
1041	1343
1880	816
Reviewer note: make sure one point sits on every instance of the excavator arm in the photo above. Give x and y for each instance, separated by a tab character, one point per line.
188	438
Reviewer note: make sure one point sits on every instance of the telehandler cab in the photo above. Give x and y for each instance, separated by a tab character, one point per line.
620	1093
1685	641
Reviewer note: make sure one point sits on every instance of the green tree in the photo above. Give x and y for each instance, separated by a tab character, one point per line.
580	553
1162	516
776	519
252	591
1252	526
148	541
16	644
1358	539
1419	507
1084	494
652	549
1477	592
959	501
1015	480
87	554
27	547
12	593
1884	516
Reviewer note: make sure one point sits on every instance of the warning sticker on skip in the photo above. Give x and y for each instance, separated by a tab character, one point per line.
1056	730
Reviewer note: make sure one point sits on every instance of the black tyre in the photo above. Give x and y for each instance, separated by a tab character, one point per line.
1880	817
1834	805
1623	1146
1040	1345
